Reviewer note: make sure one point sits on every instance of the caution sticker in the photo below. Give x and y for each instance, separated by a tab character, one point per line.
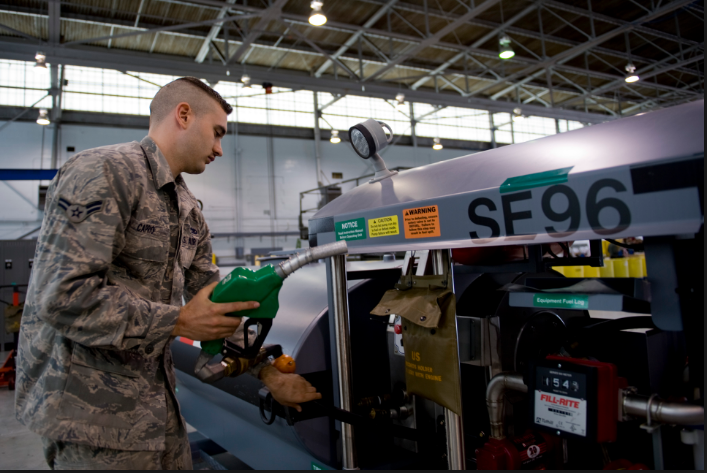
383	226
421	222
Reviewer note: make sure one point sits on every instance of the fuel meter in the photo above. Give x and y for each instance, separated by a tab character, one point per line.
575	398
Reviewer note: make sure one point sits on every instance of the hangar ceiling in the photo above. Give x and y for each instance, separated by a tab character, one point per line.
570	55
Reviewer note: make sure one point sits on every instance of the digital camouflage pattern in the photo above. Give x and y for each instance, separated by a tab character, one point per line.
73	456
94	341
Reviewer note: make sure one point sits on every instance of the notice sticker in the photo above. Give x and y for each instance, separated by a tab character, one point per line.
383	226
561	301
561	412
351	230
422	222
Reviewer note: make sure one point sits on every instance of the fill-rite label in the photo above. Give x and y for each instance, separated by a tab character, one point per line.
383	226
561	412
421	222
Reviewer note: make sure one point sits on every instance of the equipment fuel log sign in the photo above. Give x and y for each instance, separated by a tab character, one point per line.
421	222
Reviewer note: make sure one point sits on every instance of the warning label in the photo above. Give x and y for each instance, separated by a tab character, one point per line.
383	226
422	222
561	412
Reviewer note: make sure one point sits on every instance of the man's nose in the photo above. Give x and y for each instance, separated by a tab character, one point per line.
218	151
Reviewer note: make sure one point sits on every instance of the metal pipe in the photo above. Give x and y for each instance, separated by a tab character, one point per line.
452	422
495	397
295	262
663	412
343	356
317	139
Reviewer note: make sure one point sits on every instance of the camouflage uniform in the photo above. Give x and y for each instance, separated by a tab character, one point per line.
122	241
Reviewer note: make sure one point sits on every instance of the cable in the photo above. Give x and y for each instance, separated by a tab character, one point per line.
637	247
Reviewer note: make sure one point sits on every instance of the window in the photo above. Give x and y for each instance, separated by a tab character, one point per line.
109	91
21	84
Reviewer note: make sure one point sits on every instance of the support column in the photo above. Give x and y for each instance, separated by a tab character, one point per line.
413	124
317	139
492	127
340	308
57	83
452	422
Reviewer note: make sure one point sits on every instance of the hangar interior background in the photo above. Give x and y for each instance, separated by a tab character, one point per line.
430	68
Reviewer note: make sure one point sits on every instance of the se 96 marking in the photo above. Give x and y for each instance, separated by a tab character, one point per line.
571	214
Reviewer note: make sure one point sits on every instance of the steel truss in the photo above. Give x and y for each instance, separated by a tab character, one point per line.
467	75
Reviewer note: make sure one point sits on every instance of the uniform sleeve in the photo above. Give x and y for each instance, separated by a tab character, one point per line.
202	271
83	232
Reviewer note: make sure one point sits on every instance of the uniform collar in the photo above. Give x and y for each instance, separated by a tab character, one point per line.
158	163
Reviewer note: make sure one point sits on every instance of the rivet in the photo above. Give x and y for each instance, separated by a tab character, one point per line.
423	318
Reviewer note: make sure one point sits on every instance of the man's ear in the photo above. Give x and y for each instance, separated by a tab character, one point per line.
184	115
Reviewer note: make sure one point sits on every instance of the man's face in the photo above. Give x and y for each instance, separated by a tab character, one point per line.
201	142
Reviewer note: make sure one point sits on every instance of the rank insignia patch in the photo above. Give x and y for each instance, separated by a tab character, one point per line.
78	213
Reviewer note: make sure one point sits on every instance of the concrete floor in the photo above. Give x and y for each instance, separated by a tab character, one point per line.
20	449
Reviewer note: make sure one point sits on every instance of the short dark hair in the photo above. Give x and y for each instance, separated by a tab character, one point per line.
181	90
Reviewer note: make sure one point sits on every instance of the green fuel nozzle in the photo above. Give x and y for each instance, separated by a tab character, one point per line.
263	286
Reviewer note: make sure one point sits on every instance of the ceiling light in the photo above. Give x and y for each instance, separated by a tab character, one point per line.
335	137
518	115
40	60
245	78
505	49
436	144
43	118
631	75
400	98
317	18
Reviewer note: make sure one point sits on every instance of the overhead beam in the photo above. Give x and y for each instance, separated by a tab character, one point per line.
354	37
213	33
479	42
94	56
431	40
54	14
621	82
577	50
554	3
139	12
181	26
266	16
319	50
334	26
20	33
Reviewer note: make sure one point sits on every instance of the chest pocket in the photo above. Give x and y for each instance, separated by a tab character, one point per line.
189	242
147	240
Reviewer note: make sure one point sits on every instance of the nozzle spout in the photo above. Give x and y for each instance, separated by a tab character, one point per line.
288	267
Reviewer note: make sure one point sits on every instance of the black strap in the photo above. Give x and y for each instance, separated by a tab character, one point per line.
382	426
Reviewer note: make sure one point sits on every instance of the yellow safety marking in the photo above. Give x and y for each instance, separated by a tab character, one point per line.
383	226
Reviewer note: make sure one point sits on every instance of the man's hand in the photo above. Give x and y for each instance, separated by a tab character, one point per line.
203	320
288	389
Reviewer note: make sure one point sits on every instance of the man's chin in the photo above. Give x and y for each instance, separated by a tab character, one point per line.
197	169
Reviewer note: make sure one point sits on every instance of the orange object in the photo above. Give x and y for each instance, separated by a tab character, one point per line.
285	364
422	222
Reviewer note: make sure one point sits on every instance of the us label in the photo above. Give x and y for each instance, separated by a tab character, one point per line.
421	222
561	301
561	412
383	226
351	230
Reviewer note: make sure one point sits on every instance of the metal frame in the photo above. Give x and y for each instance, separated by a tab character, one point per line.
532	75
